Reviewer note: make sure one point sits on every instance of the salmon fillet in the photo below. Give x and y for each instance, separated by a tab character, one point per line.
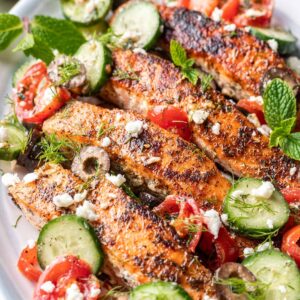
237	60
238	146
138	245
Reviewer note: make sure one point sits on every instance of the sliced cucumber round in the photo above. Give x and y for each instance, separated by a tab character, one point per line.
97	60
159	290
278	272
21	71
13	141
137	24
69	235
85	12
251	215
89	32
286	41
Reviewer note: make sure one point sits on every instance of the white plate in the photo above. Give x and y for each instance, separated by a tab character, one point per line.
12	285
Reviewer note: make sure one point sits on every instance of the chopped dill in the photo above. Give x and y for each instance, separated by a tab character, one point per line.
116	292
121	75
206	81
102	130
127	189
67	71
17	221
88	183
109	39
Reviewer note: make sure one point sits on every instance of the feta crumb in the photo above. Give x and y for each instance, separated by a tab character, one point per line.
9	179
282	289
94	292
248	251
63	200
199	116
224	218
213	222
151	160
273	45
257	99
294	63
87	211
254	13
265	130
30	177
47	287
293	171
270	224
265	190
134	128
206	297
217	14
106	142
254	120
3	134
216	128
31	244
73	293
79	197
247	28
230	27
263	247
139	51
117	180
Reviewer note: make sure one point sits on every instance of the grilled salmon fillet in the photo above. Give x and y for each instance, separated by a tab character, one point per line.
138	245
237	60
238	146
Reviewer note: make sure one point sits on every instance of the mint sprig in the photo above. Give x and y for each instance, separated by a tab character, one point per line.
179	58
281	113
10	28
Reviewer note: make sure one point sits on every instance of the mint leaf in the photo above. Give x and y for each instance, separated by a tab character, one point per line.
191	74
57	34
10	27
178	54
282	131
26	43
279	103
290	145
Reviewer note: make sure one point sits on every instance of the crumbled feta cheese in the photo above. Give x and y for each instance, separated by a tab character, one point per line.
247	28
213	222
117	180
199	116
3	135
134	128
294	63
139	51
254	13
224	218
30	177
273	44
151	160
254	120
257	99
293	171
94	292
31	244
73	293
87	211
282	289
230	27
106	142
270	224
79	197
265	190
248	251
63	200
265	130
47	287
217	14
206	297
9	179
216	128
263	247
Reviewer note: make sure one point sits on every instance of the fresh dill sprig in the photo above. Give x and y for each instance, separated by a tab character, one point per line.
17	221
122	75
110	38
115	292
88	183
67	71
57	150
127	189
102	130
206	80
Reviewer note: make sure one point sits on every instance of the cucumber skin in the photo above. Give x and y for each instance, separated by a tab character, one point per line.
85	224
284	48
241	229
105	75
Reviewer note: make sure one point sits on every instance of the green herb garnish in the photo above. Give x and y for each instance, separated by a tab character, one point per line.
127	189
121	75
67	71
179	58
10	28
206	82
102	130
17	221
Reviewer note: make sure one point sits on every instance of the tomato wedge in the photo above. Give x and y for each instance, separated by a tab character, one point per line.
63	273
253	108
171	118
28	263
36	98
290	243
291	195
230	9
204	6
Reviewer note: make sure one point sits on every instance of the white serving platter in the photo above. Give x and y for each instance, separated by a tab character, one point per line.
13	286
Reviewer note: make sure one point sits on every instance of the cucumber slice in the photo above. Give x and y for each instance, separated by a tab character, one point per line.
96	58
89	32
21	71
286	41
85	12
69	235
13	141
137	25
278	271
159	290
254	216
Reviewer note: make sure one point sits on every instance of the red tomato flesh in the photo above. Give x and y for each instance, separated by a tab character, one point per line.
230	9
253	108
290	243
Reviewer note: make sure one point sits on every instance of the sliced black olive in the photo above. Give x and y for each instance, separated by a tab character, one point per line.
282	73
91	161
227	271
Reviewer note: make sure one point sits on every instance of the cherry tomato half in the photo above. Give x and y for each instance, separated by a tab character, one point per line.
230	9
253	108
289	243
